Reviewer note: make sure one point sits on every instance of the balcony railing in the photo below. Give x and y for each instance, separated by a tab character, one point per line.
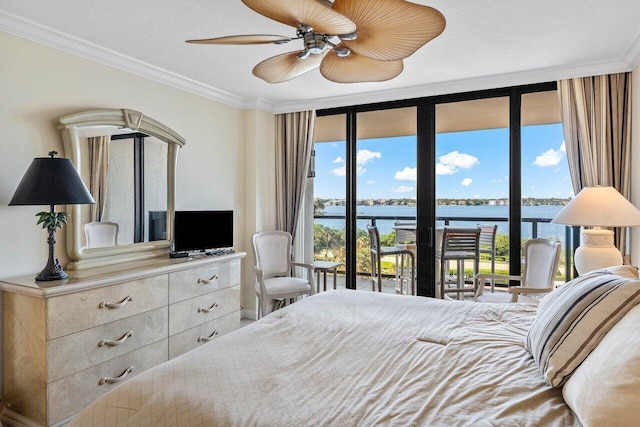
534	230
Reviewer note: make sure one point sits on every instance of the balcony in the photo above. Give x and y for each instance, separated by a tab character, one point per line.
329	242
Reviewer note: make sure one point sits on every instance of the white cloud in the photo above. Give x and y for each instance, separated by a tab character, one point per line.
341	171
476	196
466	182
407	174
445	169
338	160
403	189
365	156
450	163
371	182
551	157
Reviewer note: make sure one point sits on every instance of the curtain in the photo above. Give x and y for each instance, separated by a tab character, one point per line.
294	143
98	173
596	119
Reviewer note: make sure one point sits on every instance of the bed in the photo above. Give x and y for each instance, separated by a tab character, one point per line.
353	358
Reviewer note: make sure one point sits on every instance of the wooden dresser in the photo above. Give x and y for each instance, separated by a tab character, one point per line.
68	342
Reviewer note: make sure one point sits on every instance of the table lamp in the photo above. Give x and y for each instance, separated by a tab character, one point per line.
597	207
51	181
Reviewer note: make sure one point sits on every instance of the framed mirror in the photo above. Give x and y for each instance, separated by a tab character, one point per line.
128	162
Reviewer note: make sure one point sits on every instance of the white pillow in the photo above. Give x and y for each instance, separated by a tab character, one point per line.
572	320
605	388
630	271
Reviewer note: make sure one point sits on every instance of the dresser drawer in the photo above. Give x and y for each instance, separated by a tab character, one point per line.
192	338
68	395
191	283
188	284
76	352
82	310
196	311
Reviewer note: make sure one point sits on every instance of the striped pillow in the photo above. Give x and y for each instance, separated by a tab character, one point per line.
573	319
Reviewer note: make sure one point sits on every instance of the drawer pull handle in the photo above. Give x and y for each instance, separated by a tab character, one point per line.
208	281
209	338
122	303
102	343
207	310
112	380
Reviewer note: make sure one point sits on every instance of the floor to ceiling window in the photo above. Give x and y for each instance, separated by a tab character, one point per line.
472	173
546	182
329	183
463	159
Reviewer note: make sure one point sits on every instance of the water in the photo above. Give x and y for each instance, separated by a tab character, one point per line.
483	211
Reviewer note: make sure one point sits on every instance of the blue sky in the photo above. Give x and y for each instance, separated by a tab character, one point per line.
472	164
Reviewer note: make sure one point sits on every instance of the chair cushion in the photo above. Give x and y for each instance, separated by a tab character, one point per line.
572	320
605	388
285	285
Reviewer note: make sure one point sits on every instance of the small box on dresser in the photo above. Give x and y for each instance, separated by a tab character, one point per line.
68	342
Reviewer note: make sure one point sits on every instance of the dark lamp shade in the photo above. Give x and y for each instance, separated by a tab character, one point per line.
51	181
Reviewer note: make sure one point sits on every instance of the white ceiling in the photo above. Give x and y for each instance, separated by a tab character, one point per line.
486	44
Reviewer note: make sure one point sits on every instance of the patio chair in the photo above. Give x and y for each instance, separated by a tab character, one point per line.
541	259
275	278
488	243
377	252
405	231
460	245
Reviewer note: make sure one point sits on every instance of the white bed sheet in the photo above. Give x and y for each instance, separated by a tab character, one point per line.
350	358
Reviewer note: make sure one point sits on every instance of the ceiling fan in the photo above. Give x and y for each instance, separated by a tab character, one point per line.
350	41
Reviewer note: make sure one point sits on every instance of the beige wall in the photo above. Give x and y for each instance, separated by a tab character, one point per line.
39	84
259	186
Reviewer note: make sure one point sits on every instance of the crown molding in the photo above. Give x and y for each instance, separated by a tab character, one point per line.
632	55
49	37
463	85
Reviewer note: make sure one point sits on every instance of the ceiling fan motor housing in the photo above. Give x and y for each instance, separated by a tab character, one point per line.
315	43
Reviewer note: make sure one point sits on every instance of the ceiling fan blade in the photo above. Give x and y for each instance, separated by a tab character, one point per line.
314	13
358	68
390	29
245	39
287	66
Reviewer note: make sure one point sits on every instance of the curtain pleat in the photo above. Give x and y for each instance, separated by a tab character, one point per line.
596	119
294	143
98	173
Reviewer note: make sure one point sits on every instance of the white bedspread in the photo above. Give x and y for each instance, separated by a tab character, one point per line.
350	358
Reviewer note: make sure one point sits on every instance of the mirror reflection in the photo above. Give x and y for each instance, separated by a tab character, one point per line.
126	174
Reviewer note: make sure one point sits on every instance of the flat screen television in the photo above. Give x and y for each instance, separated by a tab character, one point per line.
202	231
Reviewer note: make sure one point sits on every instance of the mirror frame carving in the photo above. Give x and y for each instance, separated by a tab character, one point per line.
71	127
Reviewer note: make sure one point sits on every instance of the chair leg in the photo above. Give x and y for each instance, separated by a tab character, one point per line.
493	271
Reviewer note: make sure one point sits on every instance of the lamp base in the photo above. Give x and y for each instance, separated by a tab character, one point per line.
47	275
53	270
596	251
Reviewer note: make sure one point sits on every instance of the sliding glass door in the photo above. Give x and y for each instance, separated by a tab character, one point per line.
461	159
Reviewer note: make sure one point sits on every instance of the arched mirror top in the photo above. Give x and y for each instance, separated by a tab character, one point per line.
128	161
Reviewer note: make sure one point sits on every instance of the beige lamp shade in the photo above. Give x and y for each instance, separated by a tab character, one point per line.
598	207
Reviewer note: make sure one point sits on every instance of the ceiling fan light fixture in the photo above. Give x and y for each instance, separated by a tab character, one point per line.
350	36
342	52
303	55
